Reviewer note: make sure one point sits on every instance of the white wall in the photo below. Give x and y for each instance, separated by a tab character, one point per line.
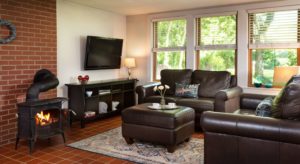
242	41
137	32
74	23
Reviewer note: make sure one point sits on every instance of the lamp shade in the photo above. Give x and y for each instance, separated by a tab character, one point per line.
282	74
129	62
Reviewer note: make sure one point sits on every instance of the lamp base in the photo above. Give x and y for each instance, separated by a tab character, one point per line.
129	74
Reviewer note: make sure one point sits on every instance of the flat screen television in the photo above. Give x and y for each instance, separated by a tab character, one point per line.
103	53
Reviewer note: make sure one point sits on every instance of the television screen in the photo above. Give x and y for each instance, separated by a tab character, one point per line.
103	53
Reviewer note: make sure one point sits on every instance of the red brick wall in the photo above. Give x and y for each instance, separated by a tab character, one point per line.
33	49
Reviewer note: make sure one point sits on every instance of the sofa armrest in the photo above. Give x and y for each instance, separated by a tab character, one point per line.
228	100
251	126
229	93
250	101
144	91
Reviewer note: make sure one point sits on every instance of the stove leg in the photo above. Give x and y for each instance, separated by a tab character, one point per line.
70	119
17	142
63	136
82	123
31	145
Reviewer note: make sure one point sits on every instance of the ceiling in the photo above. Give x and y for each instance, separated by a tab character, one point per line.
135	7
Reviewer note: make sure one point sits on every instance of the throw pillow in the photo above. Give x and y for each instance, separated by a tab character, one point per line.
275	110
264	107
186	90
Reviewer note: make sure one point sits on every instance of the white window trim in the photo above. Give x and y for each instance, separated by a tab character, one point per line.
183	48
264	10
216	14
216	47
274	45
168	19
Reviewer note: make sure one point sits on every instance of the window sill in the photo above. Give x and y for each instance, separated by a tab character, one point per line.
262	90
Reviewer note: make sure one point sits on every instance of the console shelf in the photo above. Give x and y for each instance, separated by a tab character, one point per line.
121	90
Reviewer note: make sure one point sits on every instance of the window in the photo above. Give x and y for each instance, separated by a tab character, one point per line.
216	43
274	41
169	41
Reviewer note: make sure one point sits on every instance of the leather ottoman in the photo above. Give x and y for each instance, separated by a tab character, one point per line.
166	127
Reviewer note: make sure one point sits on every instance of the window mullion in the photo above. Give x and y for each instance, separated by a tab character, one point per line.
298	56
169	49
298	27
155	41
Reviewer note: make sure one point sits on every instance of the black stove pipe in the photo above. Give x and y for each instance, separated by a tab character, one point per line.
44	80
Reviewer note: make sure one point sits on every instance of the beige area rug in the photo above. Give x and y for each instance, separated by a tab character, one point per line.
111	143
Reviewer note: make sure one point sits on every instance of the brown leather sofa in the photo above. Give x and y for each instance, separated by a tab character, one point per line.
217	91
242	138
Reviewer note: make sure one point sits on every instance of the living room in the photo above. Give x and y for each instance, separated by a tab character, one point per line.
52	35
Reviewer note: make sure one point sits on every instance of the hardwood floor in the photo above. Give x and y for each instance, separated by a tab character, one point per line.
56	152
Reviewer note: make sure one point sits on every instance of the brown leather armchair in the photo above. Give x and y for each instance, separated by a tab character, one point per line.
241	137
217	91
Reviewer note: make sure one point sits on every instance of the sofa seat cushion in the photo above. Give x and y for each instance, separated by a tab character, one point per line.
157	98
211	82
199	104
250	112
170	77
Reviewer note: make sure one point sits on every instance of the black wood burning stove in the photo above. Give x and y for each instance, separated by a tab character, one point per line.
41	118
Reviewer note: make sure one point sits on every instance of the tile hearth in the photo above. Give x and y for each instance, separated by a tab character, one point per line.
56	152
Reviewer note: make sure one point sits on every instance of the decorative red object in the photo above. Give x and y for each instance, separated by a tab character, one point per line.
83	79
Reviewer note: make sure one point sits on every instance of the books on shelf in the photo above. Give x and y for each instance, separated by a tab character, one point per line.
88	114
104	91
102	107
114	105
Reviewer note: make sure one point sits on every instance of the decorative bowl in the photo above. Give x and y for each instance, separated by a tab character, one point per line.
257	85
269	85
83	79
89	93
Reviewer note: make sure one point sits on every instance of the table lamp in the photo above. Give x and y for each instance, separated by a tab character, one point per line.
129	63
282	74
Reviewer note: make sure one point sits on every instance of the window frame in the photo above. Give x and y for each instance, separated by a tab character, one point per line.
198	48
252	46
155	49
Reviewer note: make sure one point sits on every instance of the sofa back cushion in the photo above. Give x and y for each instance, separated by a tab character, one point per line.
171	76
233	81
211	82
290	102
286	98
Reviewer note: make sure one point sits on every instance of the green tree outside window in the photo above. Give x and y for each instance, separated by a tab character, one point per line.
215	32
170	45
